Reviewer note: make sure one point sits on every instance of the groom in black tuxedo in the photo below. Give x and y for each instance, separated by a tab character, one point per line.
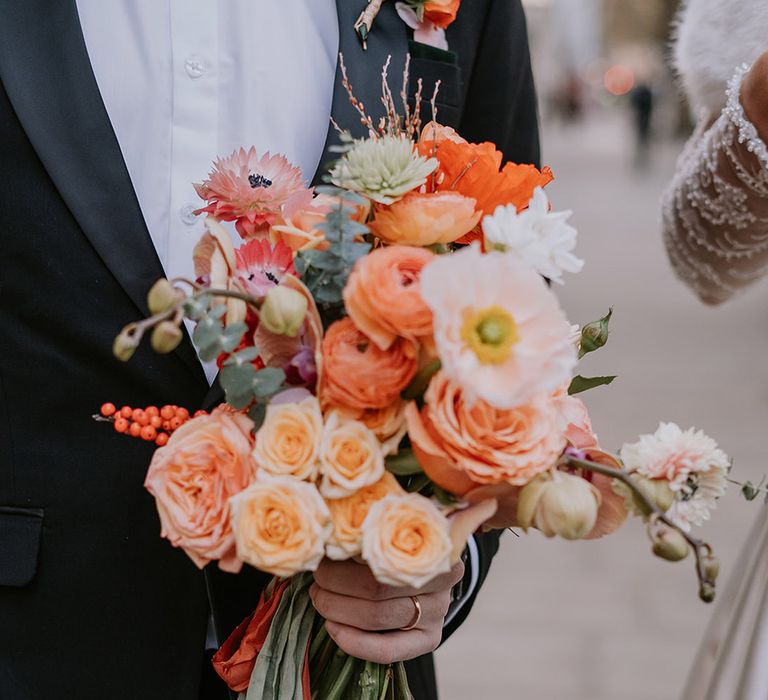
93	603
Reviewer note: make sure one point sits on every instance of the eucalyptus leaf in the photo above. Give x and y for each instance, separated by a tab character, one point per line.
232	336
246	355
257	413
268	381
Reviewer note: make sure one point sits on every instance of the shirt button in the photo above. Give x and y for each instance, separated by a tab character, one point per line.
187	214
194	67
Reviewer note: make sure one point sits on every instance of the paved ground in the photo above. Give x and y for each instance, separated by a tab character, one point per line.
606	620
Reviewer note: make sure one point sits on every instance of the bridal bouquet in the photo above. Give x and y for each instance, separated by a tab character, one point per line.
398	373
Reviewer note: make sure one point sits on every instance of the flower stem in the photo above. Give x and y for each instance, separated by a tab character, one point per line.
700	549
336	691
401	682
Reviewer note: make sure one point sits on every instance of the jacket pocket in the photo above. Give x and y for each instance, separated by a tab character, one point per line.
449	96
21	531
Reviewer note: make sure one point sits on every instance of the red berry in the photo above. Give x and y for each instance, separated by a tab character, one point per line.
134	430
201	412
182	413
162	439
126	411
166	412
166	425
152	411
155	422
148	433
108	409
176	423
121	425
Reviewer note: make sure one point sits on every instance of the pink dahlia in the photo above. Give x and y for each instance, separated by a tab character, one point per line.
254	192
259	266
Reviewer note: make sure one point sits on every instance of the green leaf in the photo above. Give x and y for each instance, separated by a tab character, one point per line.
749	491
246	355
268	381
444	497
257	413
421	380
237	382
232	336
196	308
580	384
416	482
403	463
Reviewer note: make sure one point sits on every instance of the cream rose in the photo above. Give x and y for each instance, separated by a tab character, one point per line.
288	443
350	457
281	526
206	461
406	540
348	515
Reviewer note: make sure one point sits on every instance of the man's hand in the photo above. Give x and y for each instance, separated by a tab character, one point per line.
364	617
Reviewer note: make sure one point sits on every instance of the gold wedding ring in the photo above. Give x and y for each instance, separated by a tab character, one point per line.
417	618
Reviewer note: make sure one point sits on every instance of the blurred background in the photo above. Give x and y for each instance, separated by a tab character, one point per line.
606	620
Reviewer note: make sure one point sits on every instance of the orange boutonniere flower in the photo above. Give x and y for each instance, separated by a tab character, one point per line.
441	12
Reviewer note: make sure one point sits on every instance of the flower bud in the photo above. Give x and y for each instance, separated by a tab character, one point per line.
125	345
162	296
283	311
657	491
711	567
707	592
564	504
669	544
166	337
595	334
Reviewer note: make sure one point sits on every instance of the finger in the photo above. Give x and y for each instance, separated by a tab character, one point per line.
380	615
357	581
387	648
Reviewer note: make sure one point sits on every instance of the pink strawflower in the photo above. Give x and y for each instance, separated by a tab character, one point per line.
254	192
259	266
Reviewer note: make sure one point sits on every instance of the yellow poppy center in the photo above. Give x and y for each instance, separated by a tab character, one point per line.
490	333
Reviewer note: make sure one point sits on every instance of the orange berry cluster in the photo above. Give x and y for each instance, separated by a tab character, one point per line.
150	423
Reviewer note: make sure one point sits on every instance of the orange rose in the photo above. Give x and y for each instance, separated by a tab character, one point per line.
388	424
382	295
288	443
461	446
425	219
206	461
281	526
406	540
348	515
358	374
441	12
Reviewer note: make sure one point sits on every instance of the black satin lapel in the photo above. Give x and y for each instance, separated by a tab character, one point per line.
389	37
47	74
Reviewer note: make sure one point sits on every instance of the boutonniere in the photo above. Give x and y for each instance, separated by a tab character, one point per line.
428	18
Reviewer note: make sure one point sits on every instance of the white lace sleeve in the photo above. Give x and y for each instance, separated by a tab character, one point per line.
715	210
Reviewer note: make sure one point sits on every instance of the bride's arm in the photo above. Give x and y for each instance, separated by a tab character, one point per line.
715	210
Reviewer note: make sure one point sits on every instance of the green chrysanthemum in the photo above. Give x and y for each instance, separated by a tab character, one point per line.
383	169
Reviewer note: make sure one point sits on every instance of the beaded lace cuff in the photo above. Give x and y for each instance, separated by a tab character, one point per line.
735	112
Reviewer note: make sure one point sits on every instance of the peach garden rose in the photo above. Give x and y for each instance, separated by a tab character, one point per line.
348	515
288	443
205	462
461	445
281	526
406	540
350	457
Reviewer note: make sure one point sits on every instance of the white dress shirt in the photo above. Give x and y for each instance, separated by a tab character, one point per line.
185	81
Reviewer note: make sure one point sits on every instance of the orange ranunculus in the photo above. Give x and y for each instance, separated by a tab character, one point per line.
205	462
348	515
382	295
358	374
473	170
423	219
461	445
441	12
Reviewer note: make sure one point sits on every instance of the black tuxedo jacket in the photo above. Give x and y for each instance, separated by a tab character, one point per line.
92	602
